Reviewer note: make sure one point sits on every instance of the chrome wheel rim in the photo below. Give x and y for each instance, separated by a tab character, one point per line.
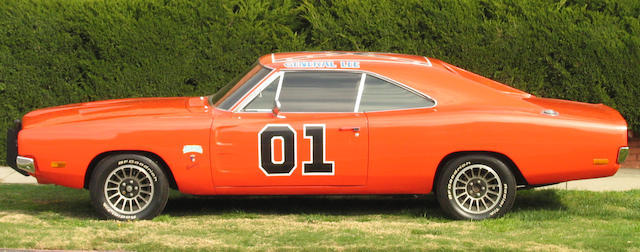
477	189
128	189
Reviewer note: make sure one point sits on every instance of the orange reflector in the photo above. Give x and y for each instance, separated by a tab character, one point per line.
58	164
600	161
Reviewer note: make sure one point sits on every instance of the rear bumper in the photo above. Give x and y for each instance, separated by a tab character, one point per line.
22	165
623	152
25	164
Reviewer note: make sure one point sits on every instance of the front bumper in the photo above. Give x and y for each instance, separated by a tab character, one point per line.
22	165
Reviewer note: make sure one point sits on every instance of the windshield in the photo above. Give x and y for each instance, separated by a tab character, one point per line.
229	94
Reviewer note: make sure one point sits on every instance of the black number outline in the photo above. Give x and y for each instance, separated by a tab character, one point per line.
312	157
271	158
311	154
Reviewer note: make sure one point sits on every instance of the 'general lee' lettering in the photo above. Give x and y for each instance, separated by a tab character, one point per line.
322	64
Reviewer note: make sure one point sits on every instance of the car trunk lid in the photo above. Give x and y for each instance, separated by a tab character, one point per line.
578	110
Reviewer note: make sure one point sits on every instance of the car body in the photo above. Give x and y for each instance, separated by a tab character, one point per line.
327	123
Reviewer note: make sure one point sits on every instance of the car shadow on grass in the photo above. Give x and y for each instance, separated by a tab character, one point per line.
185	205
538	200
400	205
38	199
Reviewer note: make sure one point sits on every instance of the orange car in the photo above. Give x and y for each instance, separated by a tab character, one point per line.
323	123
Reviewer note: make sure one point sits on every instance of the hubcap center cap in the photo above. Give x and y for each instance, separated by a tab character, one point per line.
477	188
129	188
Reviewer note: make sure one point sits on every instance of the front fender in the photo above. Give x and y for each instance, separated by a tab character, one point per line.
77	144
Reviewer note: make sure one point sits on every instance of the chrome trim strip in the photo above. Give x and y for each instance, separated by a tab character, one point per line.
239	101
26	164
428	61
623	152
253	93
232	107
258	110
360	91
276	99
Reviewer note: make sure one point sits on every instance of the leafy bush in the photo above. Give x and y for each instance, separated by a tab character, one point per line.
55	52
578	50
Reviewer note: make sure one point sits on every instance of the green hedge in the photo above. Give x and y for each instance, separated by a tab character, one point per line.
55	52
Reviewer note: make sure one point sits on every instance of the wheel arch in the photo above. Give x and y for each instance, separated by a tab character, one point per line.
520	180
163	165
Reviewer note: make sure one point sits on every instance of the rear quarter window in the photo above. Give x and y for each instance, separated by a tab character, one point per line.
380	95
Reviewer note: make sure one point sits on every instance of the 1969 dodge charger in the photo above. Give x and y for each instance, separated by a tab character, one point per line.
323	123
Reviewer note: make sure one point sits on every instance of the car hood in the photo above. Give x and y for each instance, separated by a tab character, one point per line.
111	109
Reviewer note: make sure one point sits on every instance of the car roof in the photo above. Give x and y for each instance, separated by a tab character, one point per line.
275	59
432	77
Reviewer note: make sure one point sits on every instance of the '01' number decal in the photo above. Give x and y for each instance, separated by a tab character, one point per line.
316	133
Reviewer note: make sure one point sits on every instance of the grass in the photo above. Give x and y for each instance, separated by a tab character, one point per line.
52	217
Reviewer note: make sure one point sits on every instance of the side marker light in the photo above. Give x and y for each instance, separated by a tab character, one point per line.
600	161
58	164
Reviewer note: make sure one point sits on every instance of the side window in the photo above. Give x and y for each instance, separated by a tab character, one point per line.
319	91
265	99
379	95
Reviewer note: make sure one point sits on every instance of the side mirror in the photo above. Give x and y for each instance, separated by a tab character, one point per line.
276	110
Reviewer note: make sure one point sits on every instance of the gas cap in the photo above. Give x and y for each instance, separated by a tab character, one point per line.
550	112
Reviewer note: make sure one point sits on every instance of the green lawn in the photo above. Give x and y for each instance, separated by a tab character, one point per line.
51	217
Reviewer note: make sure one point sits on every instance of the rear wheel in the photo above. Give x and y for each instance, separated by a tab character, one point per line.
476	187
128	187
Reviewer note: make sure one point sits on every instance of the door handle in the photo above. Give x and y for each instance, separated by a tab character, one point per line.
354	129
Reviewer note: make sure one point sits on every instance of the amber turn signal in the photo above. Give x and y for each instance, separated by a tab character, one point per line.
58	164
600	161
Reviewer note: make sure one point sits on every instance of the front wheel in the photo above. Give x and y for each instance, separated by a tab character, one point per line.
476	187
128	187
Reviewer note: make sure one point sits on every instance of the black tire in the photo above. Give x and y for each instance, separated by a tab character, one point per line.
476	187
138	178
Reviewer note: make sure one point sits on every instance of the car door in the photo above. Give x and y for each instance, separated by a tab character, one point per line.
316	139
402	132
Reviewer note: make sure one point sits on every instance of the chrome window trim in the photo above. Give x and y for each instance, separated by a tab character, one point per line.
428	61
276	98
259	82
261	86
247	98
257	110
360	91
232	108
